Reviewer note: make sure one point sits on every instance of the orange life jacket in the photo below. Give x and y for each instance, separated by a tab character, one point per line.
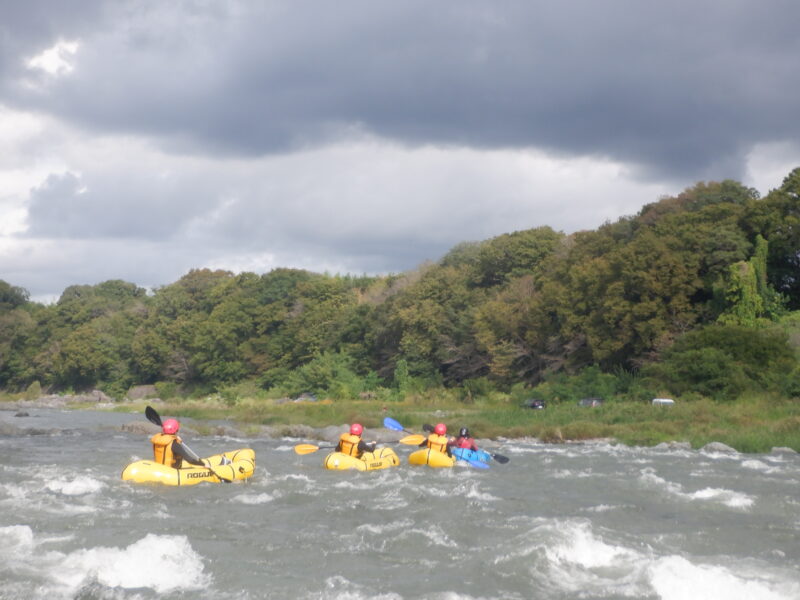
162	450
348	444
437	442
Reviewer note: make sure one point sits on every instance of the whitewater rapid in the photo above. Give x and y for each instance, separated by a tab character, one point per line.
580	521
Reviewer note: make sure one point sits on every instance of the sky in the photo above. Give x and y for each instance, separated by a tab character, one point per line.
140	140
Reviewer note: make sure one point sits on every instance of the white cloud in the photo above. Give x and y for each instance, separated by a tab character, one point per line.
768	164
56	60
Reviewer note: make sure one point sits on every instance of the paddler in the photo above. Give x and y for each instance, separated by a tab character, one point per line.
169	449
350	443
464	440
438	439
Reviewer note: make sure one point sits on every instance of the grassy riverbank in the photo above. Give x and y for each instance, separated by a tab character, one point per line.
751	424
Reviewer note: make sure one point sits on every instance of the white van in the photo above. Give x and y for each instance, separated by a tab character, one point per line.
663	401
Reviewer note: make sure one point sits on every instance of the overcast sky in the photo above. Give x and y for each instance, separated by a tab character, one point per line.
139	140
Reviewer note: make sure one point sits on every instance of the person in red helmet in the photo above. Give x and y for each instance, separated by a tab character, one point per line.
350	442
438	439
169	449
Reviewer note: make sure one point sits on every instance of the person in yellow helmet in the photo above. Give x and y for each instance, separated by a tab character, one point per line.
438	440
169	449
350	442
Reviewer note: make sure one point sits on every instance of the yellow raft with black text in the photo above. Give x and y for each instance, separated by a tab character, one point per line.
432	458
382	458
240	465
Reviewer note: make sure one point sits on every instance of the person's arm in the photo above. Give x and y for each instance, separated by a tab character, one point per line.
180	449
366	446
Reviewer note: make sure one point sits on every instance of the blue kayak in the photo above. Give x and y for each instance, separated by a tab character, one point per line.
468	454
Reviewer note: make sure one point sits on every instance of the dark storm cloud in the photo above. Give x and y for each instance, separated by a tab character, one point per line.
679	89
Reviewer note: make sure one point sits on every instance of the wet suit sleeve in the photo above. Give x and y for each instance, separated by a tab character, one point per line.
180	450
367	447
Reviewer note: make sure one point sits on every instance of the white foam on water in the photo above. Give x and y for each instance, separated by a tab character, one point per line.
16	540
471	491
294	477
723	496
675	578
385	528
163	563
341	588
758	465
570	474
27	496
579	546
601	508
80	485
434	534
358	485
578	560
263	498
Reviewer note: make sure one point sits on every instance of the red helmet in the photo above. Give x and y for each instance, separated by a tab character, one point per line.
440	429
170	426
356	429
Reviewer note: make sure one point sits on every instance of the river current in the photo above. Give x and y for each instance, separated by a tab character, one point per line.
573	521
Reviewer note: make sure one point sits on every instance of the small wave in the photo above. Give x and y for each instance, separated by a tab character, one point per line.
675	578
471	491
386	528
757	465
726	497
341	588
163	563
78	486
253	498
723	496
570	474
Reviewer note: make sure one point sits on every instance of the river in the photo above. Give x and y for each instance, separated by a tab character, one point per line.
572	521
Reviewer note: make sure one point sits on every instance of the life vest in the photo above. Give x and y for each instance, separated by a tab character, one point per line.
162	450
465	442
438	443
348	444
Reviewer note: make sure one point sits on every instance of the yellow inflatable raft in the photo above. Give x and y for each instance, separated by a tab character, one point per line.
432	458
382	458
241	466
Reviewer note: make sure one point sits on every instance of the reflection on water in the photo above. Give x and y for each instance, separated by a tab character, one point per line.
557	521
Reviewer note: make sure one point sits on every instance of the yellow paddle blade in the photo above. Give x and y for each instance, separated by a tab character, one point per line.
413	440
305	448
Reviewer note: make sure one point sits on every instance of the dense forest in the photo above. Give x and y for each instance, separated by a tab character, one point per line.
696	295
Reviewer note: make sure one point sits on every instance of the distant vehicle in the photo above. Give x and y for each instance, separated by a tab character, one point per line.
590	402
534	403
663	401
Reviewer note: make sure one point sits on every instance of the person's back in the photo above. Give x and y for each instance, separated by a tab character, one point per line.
162	444
350	443
438	440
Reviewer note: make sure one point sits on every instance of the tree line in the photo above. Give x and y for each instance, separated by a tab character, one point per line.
692	295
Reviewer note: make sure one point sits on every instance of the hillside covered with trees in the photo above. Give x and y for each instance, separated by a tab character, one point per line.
695	296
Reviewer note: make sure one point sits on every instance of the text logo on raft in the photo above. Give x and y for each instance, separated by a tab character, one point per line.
199	475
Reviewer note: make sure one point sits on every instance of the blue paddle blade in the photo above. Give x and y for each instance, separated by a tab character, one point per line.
390	423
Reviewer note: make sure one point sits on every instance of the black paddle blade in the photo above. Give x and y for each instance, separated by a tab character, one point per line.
500	458
152	415
427	427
